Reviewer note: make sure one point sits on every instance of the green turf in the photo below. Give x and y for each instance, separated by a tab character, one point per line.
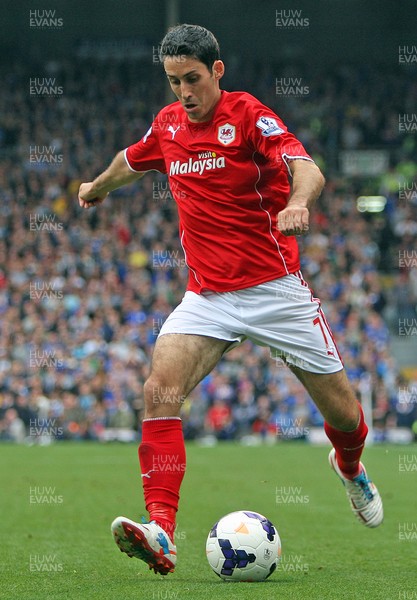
326	553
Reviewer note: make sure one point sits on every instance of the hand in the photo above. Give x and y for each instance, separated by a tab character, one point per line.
293	220
87	197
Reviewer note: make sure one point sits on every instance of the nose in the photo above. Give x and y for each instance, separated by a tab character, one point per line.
185	90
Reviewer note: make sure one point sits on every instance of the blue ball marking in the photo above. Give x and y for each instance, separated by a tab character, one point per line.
266	525
234	558
213	530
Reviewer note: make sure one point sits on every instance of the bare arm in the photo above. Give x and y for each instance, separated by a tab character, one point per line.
308	183
115	176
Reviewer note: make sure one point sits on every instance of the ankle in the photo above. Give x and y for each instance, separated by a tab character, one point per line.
164	515
350	470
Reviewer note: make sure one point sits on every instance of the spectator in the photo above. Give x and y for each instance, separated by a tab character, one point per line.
12	428
90	291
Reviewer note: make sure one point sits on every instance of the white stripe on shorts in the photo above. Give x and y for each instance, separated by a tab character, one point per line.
282	314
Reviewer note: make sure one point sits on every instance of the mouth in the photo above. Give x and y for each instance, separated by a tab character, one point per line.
190	106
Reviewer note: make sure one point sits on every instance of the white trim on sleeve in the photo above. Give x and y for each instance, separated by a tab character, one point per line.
287	157
127	162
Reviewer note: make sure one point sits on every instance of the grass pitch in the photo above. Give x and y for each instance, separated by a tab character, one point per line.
57	503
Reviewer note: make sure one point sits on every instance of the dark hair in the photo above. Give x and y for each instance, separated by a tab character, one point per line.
190	40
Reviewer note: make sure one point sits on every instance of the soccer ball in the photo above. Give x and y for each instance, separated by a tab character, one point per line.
243	546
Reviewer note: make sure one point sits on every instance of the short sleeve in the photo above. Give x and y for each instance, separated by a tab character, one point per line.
146	155
270	137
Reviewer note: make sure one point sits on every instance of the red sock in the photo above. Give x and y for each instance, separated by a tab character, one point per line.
348	445
162	462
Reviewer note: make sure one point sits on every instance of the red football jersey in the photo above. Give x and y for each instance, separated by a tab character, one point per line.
229	178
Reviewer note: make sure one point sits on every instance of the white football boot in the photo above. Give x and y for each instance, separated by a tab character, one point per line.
146	541
363	495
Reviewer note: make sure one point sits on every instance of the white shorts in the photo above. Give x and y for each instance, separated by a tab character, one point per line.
282	314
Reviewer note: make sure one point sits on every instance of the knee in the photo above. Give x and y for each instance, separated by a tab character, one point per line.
351	418
347	418
161	398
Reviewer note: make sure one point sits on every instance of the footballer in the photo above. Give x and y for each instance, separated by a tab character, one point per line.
229	160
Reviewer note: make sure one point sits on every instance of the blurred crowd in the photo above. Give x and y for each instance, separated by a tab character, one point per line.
83	294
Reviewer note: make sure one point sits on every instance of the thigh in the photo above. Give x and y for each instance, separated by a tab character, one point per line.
333	396
181	361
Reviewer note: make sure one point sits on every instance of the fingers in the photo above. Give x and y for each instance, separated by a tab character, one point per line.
83	193
85	203
88	203
293	221
87	198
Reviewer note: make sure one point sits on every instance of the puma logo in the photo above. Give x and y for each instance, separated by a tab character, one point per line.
147	474
173	131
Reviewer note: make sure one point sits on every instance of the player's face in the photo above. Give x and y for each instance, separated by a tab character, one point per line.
194	85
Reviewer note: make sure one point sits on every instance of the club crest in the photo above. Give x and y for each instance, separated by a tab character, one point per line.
226	134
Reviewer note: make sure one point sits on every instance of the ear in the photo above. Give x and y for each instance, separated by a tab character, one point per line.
218	69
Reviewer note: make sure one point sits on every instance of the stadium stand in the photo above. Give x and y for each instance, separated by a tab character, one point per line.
83	294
